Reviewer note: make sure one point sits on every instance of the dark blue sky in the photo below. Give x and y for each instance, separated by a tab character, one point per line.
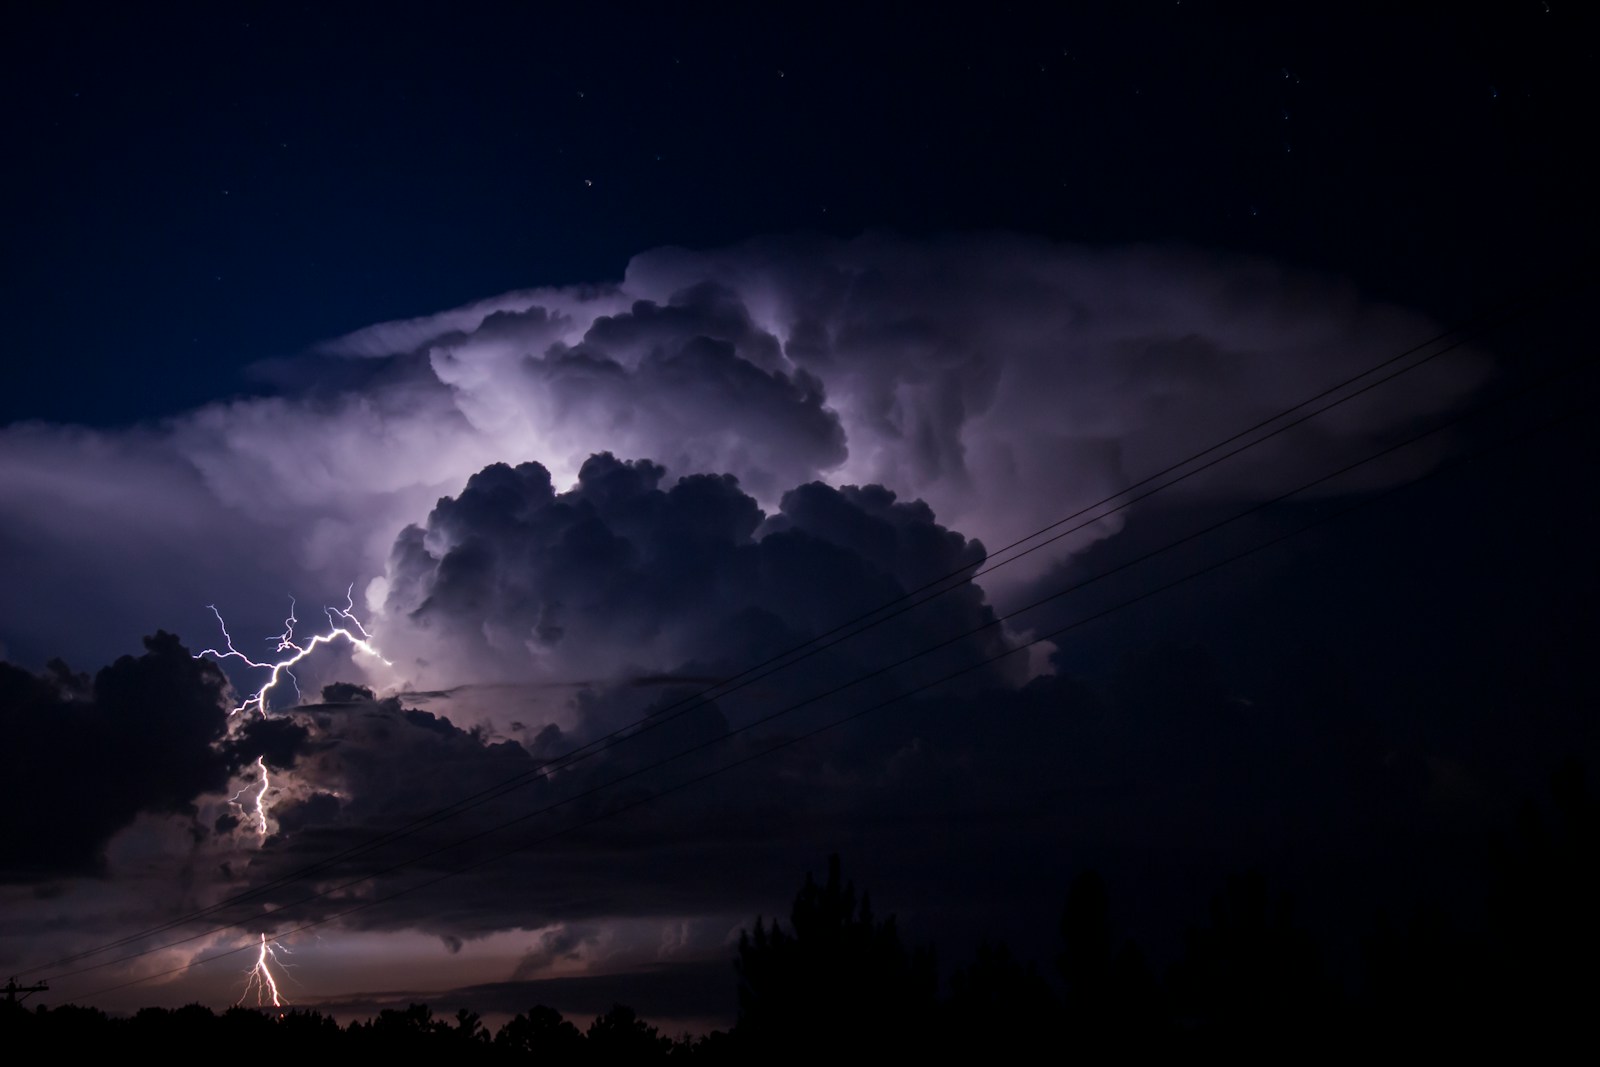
197	188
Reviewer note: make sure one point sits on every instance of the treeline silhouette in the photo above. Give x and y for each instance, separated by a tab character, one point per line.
1250	983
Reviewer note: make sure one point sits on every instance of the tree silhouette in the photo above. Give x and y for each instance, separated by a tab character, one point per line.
543	1034
1544	933
1111	998
400	1032
620	1035
1424	985
999	1007
469	1029
1252	982
841	979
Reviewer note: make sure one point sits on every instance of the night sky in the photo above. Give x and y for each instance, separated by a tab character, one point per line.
604	355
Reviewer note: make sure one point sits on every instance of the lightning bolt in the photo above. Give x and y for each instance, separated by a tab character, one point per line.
342	623
259	980
260	804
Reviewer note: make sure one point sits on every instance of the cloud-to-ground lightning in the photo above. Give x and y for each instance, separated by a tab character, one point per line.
259	979
342	623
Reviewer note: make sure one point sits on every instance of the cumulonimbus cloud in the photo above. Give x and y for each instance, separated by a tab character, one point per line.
1005	381
622	493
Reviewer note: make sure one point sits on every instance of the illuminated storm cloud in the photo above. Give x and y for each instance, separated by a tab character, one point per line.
1005	381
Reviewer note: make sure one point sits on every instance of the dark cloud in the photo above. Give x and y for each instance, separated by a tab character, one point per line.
632	576
82	759
621	576
967	811
346	693
633	581
277	741
946	806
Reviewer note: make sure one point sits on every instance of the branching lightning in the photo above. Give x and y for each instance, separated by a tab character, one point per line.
342	623
259	980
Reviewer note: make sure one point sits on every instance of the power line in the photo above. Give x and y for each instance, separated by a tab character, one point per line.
843	720
1440	427
1507	312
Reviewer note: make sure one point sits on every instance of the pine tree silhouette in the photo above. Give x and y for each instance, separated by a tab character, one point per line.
841	979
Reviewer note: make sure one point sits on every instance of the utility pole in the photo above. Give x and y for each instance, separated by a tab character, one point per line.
12	989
